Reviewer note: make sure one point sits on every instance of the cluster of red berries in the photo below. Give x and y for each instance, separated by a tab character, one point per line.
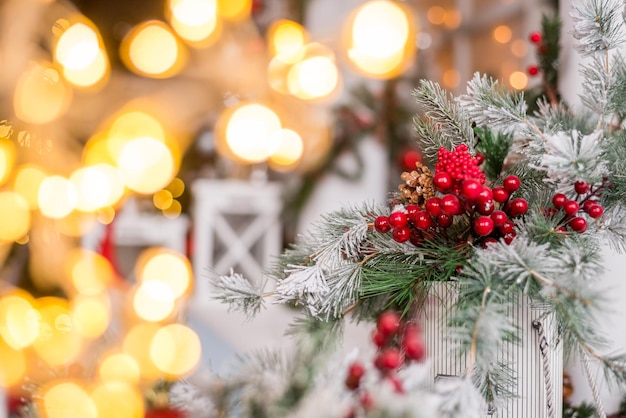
460	182
584	203
535	38
398	343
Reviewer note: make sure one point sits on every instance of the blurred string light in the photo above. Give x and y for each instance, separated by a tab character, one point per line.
27	181
58	341
15	216
234	10
286	40
315	76
153	301
288	152
381	39
502	34
64	398
117	400
167	267
13	365
136	344
57	197
91	315
518	80
175	349
7	159
152	50
195	21
119	367
19	320
89	272
97	186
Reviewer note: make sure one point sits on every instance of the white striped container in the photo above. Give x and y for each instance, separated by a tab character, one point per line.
535	373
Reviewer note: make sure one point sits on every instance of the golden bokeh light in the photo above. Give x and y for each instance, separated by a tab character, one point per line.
92	76
245	132
146	164
195	21
519	48
234	10
58	342
436	15
518	80
91	315
175	349
117	400
119	367
14	216
451	78
136	344
41	95
97	150
502	34
152	50
105	215
153	301
286	40
176	187
66	399
57	197
162	199
12	366
133	124
97	186
89	272
165	266
382	36
77	47
289	151
76	224
453	19
313	78
174	210
7	159
19	321
28	179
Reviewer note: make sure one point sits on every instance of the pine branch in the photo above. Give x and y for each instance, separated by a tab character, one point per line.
444	123
234	290
598	25
495	147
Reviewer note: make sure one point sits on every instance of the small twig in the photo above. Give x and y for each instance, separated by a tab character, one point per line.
472	353
559	288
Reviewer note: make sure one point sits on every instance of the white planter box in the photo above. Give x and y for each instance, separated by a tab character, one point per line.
524	358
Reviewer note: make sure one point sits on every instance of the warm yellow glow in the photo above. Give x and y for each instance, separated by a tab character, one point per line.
119	367
97	150
174	210
519	48
14	216
76	224
451	78
249	130
95	73
66	399
152	50
234	10
78	47
382	39
290	148
162	199
89	272
105	215
175	349
137	344
91	315
146	165
97	186
134	124
452	19
201	35
286	40
12	366
518	80
277	73
194	20
19	321
436	15
57	197
153	301
41	95
58	342
502	34
165	266
176	187
28	179
313	78
7	159
117	400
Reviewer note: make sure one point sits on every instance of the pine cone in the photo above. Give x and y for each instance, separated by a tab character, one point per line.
418	185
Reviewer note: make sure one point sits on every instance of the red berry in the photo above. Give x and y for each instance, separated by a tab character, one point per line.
559	200
479	158
589	203
485	195
442	181
578	224
414	348
416	237
423	220
483	225
470	189
433	206
571	207
535	37
595	211
533	70
355	373
388	323
486	207
517	206
382	224
488	241
561	229
411	210
450	204
507	228
499	218
397	384
398	219
444	220
401	234
500	195
366	400
581	187
511	184
378	338
508	238
389	359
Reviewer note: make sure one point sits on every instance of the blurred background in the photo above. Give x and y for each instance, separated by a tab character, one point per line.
147	144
